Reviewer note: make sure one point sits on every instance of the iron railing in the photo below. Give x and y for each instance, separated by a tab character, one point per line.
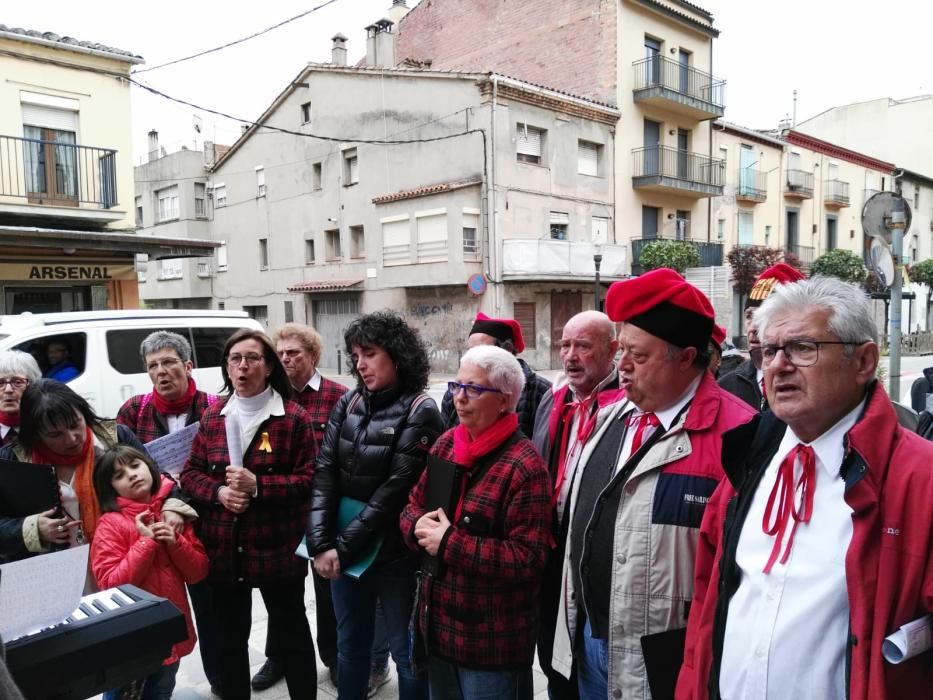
57	173
658	71
800	182
836	192
710	253
804	254
663	161
751	184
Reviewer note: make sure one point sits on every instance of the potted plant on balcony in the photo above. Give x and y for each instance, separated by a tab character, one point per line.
677	255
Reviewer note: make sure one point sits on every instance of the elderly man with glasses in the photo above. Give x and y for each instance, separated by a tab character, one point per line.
820	543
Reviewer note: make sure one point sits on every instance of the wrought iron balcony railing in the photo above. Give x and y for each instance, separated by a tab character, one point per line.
803	254
710	253
57	173
658	71
836	192
663	161
799	183
751	185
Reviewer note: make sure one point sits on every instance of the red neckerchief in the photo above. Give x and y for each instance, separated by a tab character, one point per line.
10	419
175	408
787	505
641	421
467	450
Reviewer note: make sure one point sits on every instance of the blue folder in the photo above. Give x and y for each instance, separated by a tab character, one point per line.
349	509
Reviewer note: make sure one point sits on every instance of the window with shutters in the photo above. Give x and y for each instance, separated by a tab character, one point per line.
263	253
170	269
432	236
470	232
333	249
260	181
560	225
167	204
309	252
529	144
220	195
351	174
50	150
396	240
524	313
306	113
357	242
200	210
317	176
222	257
588	158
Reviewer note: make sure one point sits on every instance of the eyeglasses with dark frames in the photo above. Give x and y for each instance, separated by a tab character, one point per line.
800	353
252	359
472	391
167	363
14	382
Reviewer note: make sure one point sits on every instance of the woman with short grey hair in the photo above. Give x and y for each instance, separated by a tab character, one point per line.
165	340
17	371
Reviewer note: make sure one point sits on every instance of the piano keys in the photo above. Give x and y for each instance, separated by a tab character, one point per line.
112	638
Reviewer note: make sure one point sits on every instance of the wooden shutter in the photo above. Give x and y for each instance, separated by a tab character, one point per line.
525	315
588	158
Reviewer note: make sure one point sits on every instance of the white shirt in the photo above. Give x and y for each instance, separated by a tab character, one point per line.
665	417
4	429
175	423
315	381
786	631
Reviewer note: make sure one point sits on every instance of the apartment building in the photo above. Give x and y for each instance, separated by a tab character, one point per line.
66	177
434	193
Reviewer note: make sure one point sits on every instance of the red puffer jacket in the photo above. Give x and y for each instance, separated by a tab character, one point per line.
119	555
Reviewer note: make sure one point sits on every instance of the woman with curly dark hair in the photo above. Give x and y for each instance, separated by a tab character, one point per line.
374	451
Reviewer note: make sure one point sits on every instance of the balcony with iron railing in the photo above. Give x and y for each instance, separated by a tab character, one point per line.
836	193
678	88
40	179
799	184
671	170
710	253
544	259
804	255
751	185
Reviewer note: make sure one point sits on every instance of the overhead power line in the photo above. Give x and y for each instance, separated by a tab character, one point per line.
237	41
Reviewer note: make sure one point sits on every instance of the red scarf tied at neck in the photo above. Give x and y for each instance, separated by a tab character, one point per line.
10	419
175	408
467	449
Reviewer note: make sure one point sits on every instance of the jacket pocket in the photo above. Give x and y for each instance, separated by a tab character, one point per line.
680	499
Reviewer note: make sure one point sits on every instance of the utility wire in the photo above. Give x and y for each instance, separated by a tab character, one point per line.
237	41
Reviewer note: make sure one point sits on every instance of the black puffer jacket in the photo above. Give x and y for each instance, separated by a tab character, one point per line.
375	453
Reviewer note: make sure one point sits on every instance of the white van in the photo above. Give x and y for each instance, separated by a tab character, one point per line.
103	347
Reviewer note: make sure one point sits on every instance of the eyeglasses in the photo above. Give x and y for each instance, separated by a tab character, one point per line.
472	391
15	382
252	359
167	363
800	353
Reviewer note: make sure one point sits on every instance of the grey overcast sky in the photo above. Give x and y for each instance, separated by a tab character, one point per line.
831	51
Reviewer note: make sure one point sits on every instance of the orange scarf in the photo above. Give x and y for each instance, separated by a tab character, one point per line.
88	506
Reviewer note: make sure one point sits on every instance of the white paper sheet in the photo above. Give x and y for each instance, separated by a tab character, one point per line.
911	639
41	591
234	439
171	451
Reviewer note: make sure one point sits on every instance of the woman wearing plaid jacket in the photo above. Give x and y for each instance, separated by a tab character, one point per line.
477	616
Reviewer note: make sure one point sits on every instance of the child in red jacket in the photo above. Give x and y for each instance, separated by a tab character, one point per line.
132	545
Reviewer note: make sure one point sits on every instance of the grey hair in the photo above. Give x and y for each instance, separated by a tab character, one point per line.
502	370
700	362
165	340
850	318
19	363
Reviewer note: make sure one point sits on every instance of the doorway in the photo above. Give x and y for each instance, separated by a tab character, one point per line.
564	305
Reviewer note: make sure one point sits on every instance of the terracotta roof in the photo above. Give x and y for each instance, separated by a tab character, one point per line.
426	190
323	285
52	37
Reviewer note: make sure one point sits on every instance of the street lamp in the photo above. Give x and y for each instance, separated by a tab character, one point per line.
597	260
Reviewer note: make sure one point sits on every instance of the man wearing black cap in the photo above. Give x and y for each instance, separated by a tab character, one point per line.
647	474
505	333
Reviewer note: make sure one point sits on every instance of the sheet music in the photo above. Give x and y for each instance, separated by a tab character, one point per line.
234	439
911	639
41	591
171	451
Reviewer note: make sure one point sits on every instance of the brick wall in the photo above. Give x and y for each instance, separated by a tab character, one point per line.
569	45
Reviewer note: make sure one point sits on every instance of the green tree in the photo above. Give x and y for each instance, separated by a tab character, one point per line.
843	264
748	262
922	273
677	255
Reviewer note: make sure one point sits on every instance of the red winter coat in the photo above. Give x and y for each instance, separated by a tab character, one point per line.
120	555
889	562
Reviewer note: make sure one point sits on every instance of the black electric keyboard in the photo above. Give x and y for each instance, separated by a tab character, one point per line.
114	637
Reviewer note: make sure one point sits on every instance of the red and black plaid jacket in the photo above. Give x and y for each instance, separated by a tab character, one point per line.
257	546
483	607
319	404
139	414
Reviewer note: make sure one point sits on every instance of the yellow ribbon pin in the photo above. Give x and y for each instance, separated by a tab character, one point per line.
264	445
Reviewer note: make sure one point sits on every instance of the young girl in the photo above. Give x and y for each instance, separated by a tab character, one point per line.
133	545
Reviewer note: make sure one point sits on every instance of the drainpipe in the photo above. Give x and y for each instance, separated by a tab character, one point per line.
709	200
492	250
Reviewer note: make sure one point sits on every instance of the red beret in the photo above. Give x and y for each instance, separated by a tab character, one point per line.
719	334
665	305
499	328
779	273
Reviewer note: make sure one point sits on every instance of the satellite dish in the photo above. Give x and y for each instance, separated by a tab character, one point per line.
877	214
881	261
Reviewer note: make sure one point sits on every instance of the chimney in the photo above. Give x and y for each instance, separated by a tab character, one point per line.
398	10
153	145
380	44
338	54
209	156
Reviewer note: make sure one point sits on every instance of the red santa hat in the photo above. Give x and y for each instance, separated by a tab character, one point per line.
501	329
664	304
779	273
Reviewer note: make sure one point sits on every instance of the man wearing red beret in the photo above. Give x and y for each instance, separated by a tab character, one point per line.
747	380
647	473
505	333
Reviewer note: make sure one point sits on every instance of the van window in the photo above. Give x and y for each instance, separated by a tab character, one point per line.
60	356
209	345
123	347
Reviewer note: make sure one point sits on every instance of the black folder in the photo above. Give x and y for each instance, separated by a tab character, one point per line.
664	655
26	489
442	487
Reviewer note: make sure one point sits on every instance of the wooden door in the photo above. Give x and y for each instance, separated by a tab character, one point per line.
564	305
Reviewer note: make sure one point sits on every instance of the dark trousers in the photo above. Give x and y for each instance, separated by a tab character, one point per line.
285	604
326	625
208	630
558	687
